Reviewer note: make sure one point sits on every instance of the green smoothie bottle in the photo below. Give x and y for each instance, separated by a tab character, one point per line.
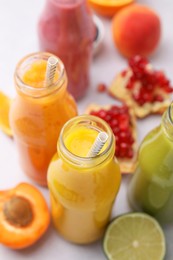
151	187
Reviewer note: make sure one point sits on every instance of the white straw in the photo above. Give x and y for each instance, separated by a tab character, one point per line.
98	144
50	70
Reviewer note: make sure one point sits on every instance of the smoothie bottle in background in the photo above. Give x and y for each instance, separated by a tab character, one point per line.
151	187
39	112
83	188
66	29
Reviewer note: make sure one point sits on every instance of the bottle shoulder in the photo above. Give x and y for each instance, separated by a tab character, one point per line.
154	133
155	148
66	30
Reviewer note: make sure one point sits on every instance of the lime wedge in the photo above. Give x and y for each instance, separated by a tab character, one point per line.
134	236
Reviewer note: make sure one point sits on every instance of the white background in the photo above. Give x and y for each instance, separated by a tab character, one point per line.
18	37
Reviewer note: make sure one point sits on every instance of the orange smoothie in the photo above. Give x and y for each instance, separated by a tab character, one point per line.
83	189
38	114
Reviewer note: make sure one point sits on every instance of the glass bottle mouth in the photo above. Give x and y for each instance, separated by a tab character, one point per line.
25	63
94	123
167	122
67	3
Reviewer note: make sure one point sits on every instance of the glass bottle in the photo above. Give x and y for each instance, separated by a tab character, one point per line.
66	29
38	113
82	188
151	187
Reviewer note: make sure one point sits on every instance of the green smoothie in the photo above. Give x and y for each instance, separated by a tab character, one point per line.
151	187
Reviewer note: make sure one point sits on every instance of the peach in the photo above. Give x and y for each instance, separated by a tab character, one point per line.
136	30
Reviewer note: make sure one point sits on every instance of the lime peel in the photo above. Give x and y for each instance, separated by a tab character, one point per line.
136	235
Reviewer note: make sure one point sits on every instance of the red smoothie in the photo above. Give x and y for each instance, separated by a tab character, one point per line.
66	29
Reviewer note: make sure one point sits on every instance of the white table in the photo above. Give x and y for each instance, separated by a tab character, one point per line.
18	37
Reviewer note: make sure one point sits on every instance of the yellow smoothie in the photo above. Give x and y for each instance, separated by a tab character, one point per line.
82	189
80	141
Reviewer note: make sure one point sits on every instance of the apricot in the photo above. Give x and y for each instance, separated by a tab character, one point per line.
24	216
136	30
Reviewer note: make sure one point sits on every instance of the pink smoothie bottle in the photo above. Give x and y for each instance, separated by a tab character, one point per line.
66	29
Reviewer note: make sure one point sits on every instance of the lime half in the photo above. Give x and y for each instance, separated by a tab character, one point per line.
134	236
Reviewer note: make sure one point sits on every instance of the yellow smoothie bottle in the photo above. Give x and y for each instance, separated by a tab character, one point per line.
151	187
38	113
82	188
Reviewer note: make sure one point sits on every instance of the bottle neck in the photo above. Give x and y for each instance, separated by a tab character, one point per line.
66	4
167	122
72	16
31	90
91	122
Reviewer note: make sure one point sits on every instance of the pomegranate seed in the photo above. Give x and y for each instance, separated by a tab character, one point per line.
93	113
108	118
130	153
123	109
123	149
159	76
114	123
131	140
137	62
117	141
158	98
124	146
130	84
124	73
102	114
149	87
101	87
117	149
115	130
168	89
117	152
125	136
123	121
114	110
141	101
148	97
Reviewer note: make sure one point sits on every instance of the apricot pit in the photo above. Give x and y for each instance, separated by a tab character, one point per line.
18	211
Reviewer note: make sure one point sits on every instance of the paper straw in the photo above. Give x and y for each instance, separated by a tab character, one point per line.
98	144
50	70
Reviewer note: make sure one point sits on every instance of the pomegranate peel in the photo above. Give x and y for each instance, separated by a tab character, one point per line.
127	165
142	87
119	91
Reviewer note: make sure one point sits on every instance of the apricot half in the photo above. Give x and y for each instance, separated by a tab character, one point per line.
108	7
136	30
24	216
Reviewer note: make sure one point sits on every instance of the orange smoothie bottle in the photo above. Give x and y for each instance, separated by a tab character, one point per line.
82	188
38	113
